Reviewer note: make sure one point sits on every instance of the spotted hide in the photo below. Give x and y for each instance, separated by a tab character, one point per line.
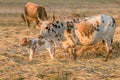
96	28
60	32
88	31
34	45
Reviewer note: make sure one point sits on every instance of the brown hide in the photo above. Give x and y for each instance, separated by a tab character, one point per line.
24	42
33	12
85	28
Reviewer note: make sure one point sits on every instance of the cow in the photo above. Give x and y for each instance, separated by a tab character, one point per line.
60	32
34	45
32	12
96	28
87	32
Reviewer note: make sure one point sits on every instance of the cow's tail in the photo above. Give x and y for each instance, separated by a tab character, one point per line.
113	22
23	17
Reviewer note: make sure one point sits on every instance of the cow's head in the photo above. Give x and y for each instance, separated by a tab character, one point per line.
46	27
56	29
24	42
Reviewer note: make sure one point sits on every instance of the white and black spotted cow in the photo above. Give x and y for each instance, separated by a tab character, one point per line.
86	32
60	33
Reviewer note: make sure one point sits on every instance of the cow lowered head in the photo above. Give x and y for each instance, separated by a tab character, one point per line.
32	12
56	29
46	26
60	32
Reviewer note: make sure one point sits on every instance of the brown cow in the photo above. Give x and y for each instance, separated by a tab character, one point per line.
32	12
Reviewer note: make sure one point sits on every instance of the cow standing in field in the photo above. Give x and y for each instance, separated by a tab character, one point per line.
96	28
32	12
87	32
34	45
61	33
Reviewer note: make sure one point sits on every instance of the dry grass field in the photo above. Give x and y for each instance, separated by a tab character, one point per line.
14	64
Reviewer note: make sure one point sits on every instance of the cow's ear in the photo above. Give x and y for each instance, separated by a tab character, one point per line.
29	42
24	40
59	18
76	20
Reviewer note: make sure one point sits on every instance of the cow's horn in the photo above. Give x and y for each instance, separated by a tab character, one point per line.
53	18
39	19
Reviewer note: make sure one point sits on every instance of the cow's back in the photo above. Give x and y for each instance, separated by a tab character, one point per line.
85	32
31	9
95	29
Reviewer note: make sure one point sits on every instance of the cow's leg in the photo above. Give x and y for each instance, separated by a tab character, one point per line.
28	23
74	53
31	54
103	42
108	48
69	51
51	52
37	24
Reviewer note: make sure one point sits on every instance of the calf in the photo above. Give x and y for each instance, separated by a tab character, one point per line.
35	45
